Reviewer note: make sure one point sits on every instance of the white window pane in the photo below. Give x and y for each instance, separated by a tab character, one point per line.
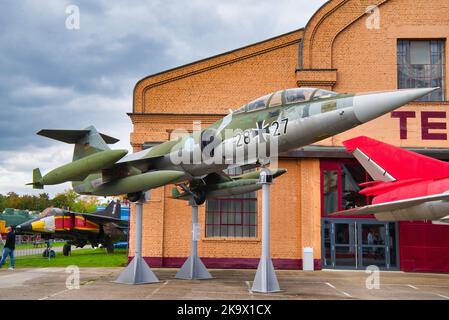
420	52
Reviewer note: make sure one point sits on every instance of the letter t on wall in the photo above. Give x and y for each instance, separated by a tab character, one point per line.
403	116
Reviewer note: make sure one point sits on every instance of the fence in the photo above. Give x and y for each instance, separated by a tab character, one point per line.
33	246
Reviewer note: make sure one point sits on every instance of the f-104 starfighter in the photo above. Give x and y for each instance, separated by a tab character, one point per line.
253	134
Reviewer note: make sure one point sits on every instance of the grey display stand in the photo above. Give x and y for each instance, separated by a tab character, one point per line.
265	280
138	271
193	268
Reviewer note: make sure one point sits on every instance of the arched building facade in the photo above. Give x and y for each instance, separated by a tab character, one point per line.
347	46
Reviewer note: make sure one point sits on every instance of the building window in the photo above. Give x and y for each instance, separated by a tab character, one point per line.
234	216
421	65
330	191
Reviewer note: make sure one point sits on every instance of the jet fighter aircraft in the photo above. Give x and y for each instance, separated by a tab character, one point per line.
407	186
102	227
252	135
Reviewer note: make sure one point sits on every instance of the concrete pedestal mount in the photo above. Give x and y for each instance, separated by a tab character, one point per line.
265	280
138	271
193	268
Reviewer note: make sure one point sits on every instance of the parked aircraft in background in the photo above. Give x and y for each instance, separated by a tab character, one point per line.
407	186
102	227
272	124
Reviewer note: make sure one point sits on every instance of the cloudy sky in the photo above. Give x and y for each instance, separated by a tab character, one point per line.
55	77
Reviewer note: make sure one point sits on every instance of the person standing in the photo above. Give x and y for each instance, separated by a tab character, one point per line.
8	250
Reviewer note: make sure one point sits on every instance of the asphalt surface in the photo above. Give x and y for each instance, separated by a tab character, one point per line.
96	283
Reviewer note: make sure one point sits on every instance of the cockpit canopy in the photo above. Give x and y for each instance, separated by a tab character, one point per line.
50	211
289	96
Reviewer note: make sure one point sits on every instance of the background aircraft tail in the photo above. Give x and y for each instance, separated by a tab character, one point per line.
87	141
111	211
385	162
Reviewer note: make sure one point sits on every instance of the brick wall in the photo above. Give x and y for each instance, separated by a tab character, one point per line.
338	52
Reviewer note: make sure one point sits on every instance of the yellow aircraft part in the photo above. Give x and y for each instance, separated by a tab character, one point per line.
84	224
3	227
46	224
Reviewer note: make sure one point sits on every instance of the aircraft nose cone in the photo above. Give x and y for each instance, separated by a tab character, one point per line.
24	227
373	105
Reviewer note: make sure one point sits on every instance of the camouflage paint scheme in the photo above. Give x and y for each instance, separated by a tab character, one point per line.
278	122
102	227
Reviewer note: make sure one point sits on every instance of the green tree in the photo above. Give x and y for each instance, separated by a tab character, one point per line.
2	202
12	200
43	202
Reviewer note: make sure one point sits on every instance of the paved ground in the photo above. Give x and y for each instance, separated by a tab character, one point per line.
50	283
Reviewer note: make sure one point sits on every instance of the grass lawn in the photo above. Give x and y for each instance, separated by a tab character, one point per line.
80	258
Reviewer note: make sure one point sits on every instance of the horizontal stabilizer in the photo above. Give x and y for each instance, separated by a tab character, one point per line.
72	136
37	180
385	162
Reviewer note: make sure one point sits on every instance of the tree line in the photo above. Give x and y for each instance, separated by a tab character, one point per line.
68	199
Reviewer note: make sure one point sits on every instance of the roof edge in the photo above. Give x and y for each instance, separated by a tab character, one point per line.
216	56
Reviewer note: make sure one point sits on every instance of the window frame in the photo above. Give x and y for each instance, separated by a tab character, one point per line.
241	199
403	59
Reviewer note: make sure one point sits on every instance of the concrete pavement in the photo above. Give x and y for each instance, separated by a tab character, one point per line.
95	283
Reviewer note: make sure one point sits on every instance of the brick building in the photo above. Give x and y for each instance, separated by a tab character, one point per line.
347	46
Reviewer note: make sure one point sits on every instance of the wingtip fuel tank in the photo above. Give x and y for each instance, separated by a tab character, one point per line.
78	169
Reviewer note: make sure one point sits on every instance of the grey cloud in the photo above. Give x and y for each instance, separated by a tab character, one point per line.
54	77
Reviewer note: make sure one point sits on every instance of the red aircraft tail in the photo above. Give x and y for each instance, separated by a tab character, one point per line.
385	162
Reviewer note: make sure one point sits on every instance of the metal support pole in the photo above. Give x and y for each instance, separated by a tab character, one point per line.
265	280
193	268
138	271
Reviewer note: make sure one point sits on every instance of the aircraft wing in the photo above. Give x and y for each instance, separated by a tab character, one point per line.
109	214
219	184
101	219
394	205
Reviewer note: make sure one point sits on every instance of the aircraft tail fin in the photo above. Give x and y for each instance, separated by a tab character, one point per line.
87	141
37	179
112	210
385	162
